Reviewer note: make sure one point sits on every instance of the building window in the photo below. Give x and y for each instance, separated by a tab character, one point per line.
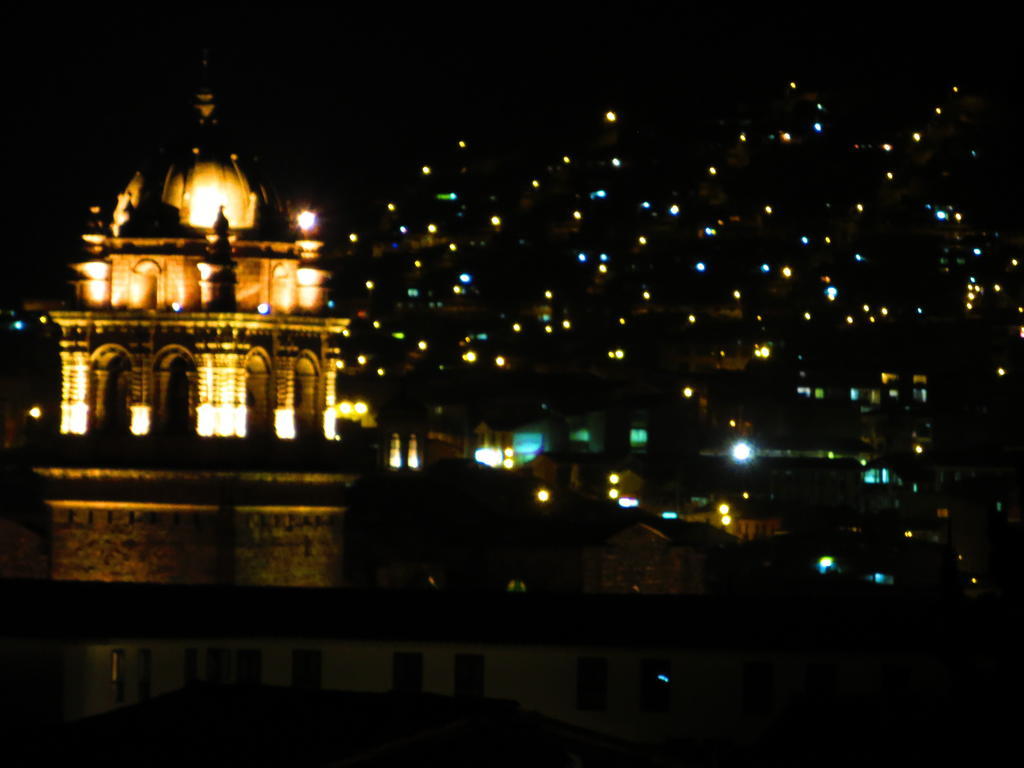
145	673
890	378
250	666
920	395
638	439
218	665
117	675
469	674
395	452
803	391
854	394
819	393
591	684
758	688
413	458
655	685
191	665
306	669
407	672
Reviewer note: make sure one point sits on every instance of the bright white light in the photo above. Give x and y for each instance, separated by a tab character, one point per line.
307	220
742	451
263	309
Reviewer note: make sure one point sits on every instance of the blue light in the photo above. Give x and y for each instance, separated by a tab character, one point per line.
710	231
645	205
604	257
582	257
465	277
765	268
805	239
628	502
600	193
669	515
858	257
18	325
831	292
673	210
330	303
263	309
977	251
700	266
817	127
403	229
663	678
826	564
941	215
920	311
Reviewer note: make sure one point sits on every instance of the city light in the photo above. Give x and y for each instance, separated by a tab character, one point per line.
742	451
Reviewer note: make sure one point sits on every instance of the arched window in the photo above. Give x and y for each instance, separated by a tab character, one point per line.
175	398
395	452
306	411
259	394
111	388
144	282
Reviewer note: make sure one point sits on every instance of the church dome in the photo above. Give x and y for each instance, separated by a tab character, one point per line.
182	190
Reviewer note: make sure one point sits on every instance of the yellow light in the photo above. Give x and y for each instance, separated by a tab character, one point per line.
361	359
535	184
736	294
602	268
426	170
376	323
768	209
391	207
369	285
692	319
958	216
860	207
284	423
622	321
35	412
361	408
380	371
743	137
432	228
642	240
919	449
610	117
732	423
712	171
462	144
792	85
746	494
884	311
452	247
619	354
139	422
543	495
516	327
786	137
307	220
470	356
499	361
566	324
807	315
509	452
938	110
565	159
417	263
908	534
613	478
548	329
917	136
647	295
456	289
787	272
1000	371
496	221
306	276
353	237
577	215
507	463
726	520
613	493
723	508
888	175
422	345
687	392
345	408
849	320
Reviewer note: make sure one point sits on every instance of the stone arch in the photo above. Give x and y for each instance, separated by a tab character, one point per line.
306	386
110	389
174	390
145	285
260	394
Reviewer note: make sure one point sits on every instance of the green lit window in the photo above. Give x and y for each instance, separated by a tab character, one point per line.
579	436
638	438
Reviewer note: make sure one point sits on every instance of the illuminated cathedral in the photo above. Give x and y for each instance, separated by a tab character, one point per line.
199	308
199	364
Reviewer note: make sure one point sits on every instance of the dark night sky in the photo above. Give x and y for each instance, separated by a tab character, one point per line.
344	101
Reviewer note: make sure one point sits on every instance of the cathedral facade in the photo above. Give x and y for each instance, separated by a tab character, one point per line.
200	328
